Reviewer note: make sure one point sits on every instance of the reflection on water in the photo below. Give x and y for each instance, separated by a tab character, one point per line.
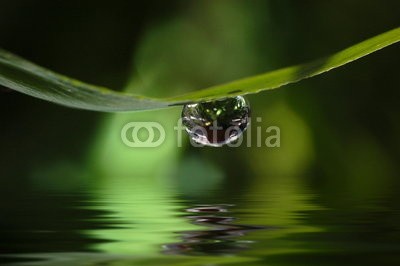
147	223
284	226
219	239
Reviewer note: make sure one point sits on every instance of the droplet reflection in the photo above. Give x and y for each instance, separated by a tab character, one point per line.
219	239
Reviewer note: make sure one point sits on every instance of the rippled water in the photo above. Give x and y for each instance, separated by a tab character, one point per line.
136	227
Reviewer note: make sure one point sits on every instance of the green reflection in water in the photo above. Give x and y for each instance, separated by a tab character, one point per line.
134	185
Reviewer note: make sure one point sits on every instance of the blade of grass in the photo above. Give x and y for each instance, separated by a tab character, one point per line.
21	75
278	78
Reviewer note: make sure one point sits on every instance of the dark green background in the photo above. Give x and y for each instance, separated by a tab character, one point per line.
351	115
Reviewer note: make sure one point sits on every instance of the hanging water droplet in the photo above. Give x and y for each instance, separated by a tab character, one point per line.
218	122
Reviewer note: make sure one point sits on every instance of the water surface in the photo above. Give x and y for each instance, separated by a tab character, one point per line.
133	227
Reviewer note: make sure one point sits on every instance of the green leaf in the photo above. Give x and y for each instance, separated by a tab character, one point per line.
21	75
